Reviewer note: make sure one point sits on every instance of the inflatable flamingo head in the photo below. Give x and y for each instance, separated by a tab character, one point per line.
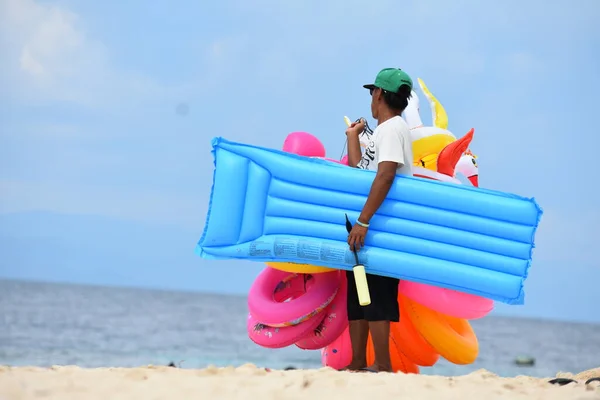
467	165
304	144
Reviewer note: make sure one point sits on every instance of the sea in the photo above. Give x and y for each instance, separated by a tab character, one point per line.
45	324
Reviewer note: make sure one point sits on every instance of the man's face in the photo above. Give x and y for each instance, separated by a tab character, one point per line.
375	99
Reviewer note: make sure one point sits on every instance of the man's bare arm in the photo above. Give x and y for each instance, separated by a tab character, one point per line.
354	153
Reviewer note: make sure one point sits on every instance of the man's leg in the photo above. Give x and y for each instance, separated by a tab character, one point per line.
358	326
380	333
383	309
359	334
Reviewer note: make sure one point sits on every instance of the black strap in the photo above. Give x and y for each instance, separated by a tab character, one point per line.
368	131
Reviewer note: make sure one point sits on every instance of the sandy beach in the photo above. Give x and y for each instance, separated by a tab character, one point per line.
248	382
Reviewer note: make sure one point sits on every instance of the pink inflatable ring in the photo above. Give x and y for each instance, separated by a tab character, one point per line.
313	296
447	301
276	338
333	323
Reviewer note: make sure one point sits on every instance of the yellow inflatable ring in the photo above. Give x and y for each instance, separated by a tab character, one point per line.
299	268
453	338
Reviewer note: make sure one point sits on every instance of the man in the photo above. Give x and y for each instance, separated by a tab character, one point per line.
389	153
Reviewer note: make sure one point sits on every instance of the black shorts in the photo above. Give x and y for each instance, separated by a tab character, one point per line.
384	299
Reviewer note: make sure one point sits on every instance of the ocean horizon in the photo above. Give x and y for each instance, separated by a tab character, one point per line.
45	324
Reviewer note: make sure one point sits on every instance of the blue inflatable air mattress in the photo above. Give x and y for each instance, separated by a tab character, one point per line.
267	205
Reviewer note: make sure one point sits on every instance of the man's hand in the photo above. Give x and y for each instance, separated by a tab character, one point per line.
352	133
356	239
356	128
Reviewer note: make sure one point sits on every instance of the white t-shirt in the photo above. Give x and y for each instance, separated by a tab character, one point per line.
390	142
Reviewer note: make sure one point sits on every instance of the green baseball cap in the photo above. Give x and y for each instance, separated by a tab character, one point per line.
390	79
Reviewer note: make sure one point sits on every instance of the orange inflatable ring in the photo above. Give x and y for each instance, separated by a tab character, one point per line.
399	361
410	342
299	268
453	338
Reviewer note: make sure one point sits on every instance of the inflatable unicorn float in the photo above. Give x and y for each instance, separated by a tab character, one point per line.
434	320
435	148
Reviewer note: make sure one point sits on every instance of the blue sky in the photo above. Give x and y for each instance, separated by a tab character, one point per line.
91	90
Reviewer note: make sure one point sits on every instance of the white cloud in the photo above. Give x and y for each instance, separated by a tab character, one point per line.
47	55
46	52
53	39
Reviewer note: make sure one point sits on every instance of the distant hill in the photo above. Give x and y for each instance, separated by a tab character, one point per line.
107	251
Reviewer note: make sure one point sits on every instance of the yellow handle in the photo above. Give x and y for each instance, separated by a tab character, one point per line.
347	121
360	277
